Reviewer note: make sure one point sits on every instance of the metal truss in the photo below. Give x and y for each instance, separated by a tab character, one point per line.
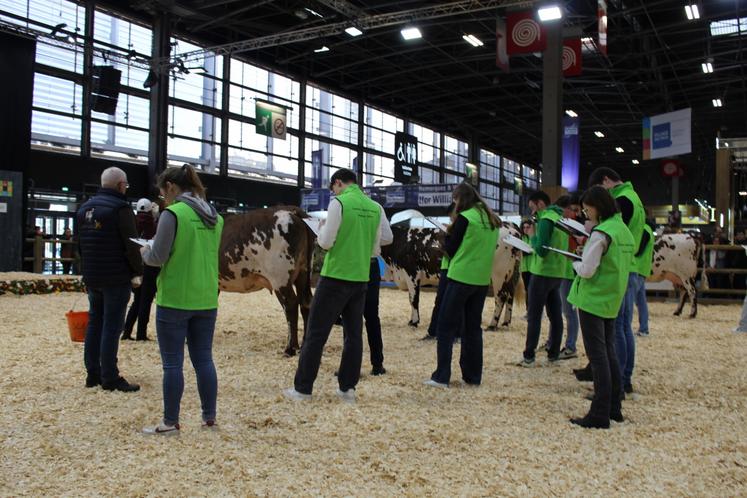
454	8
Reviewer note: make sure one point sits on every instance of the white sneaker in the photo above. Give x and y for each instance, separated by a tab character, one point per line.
433	383
346	396
162	430
294	395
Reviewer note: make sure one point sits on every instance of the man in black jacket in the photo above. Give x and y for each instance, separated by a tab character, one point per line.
111	265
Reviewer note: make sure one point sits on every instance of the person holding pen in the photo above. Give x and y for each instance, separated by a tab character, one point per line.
598	291
471	246
548	269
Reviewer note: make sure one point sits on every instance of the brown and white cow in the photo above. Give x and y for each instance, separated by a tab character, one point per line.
676	259
270	249
415	257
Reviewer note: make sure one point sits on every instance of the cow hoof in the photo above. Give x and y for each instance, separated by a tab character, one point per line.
693	316
288	353
505	324
677	313
491	328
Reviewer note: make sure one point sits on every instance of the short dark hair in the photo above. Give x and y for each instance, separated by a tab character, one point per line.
575	198
599	198
540	196
563	201
597	176
344	175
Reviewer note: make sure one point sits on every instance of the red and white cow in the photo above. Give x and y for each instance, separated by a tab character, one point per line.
676	259
270	249
415	257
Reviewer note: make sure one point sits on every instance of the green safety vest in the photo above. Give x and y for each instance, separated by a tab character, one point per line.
603	293
445	262
637	221
646	258
189	279
350	257
473	262
526	259
552	264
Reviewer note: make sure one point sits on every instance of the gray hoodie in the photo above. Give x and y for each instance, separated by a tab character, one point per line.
159	252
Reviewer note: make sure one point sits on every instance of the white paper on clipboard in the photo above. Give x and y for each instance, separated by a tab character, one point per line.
567	254
142	242
437	224
573	226
315	224
518	244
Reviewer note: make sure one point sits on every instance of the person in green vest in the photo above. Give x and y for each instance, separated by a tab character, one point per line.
634	216
471	246
571	208
351	235
598	290
442	280
646	255
548	269
186	248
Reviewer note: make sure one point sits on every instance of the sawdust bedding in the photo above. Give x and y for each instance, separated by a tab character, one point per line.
686	432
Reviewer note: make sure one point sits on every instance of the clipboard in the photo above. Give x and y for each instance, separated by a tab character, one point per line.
142	242
567	254
572	227
518	244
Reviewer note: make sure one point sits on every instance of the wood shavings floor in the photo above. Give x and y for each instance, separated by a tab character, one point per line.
686	432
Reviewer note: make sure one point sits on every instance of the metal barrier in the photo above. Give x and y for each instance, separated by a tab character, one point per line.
38	257
726	271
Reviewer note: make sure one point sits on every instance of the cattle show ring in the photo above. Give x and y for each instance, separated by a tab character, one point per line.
373	248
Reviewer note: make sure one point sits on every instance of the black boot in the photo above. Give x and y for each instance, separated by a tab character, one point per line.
583	374
93	380
378	370
617	416
591	423
120	384
127	336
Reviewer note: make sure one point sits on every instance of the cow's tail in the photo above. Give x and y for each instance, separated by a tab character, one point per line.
703	276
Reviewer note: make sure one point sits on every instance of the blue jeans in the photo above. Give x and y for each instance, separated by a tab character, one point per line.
642	305
106	314
461	306
624	338
173	326
571	315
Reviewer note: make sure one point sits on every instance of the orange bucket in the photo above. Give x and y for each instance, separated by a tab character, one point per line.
77	322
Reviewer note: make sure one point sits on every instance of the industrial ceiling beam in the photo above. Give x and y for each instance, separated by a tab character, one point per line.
448	9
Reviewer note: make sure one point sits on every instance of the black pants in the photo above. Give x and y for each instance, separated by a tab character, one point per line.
371	315
462	304
333	298
544	292
599	341
140	308
526	277
433	326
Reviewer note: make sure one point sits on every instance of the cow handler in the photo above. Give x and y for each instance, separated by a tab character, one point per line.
351	237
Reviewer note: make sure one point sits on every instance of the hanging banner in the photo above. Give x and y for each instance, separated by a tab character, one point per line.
316	168
525	33
405	157
602	25
667	134
572	57
571	154
501	55
270	119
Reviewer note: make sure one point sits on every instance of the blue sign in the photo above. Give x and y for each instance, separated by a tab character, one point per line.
571	154
396	196
662	136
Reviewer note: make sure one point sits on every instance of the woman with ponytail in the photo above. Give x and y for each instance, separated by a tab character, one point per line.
186	248
470	248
